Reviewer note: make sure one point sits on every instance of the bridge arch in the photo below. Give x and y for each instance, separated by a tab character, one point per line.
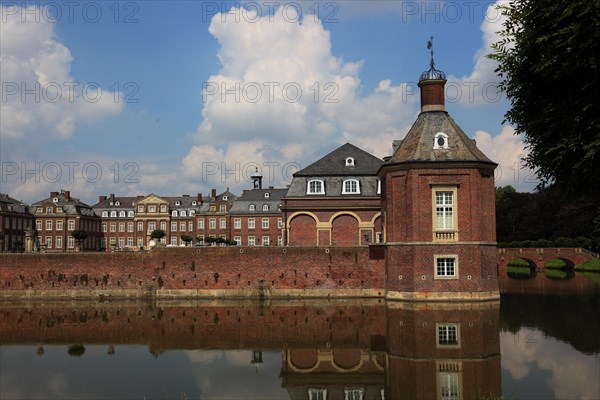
521	268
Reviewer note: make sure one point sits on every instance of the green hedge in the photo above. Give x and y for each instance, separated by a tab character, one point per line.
592	265
579	241
518	262
555	273
555	263
518	271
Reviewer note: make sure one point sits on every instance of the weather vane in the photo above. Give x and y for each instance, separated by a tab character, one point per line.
430	48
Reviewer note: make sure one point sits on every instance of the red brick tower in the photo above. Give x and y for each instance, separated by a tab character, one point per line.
438	206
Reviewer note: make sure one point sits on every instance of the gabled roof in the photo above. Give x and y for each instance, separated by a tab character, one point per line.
418	145
334	163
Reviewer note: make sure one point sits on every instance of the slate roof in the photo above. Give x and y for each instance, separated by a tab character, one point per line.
73	206
9	204
417	146
257	197
334	163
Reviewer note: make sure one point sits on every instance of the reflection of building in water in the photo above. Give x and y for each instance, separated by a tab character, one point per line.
350	350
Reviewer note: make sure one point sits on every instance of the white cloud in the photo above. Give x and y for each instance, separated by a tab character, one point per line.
287	98
508	150
40	99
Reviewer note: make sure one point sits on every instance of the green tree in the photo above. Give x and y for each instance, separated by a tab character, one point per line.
79	235
187	239
548	59
157	234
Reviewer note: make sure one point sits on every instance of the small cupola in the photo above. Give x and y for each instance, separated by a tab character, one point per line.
432	84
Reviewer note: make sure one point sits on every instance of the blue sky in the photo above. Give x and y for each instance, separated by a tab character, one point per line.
143	124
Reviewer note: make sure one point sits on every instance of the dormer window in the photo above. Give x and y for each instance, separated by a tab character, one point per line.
378	186
130	213
351	186
55	199
194	203
349	162
225	198
174	213
182	213
105	214
251	207
266	195
192	213
440	141
177	203
113	214
265	207
122	214
315	186
117	203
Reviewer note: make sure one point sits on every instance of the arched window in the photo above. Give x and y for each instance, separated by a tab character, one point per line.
349	162
251	207
265	207
122	214
174	213
177	203
104	214
130	213
351	186
315	186
182	213
267	195
113	214
117	203
192	213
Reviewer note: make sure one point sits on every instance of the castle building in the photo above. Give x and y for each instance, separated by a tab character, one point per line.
57	216
438	208
335	201
15	220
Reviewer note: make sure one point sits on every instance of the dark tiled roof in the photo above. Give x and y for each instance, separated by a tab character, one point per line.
124	203
7	203
257	197
62	202
417	146
334	163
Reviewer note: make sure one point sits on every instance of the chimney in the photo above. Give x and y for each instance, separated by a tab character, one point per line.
213	194
112	199
53	194
432	84
67	195
101	199
199	199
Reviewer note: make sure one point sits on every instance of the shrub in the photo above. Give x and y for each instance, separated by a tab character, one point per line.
518	262
555	263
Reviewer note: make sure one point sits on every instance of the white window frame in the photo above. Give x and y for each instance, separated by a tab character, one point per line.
113	227
447	335
265	207
317	393
104	214
317	188
182	226
49	225
71	224
349	161
130	227
251	241
212	223
442	266
71	242
265	223
251	223
436	144
223	223
58	240
347	186
251	207
266	240
121	226
237	223
238	239
59	225
122	214
201	223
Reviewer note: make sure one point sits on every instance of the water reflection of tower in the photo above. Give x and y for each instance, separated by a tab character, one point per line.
443	351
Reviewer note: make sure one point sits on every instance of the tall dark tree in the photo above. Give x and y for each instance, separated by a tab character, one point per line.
549	56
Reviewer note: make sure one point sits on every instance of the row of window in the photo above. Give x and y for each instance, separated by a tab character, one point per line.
49	210
59	225
17	223
349	186
250	240
237	223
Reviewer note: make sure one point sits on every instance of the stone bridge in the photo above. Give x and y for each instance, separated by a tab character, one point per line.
538	257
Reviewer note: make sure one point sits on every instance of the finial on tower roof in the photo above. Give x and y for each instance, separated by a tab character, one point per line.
432	73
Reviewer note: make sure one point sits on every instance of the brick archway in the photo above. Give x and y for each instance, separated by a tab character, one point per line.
344	231
303	230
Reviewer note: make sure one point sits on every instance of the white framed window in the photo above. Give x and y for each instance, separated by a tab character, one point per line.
378	186
104	227
351	186
449	385
265	223
121	242
113	241
163	208
237	223
113	214
238	240
59	225
251	207
251	223
117	203
446	266
130	214
151	209
444	210
265	207
141	209
130	227
191	226
140	227
317	394
130	241
49	225
104	214
279	241
38	226
151	226
178	203
349	162
71	242
266	241
440	141
121	226
59	242
267	195
251	241
279	223
448	335
200	224
182	226
174	240
48	210
183	213
140	242
173	226
71	224
174	213
192	213
49	242
59	209
315	186
212	223
121	214
223	223
223	207
354	393
113	227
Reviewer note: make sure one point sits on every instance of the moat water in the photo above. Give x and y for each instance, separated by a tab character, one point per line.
542	341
